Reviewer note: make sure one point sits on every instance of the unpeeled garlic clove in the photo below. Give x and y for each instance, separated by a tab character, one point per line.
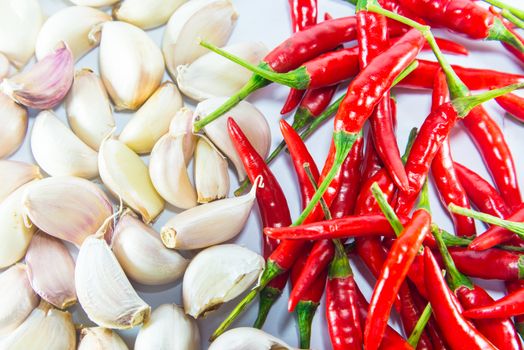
146	15
45	84
14	174
248	338
168	328
211	175
217	275
131	65
212	20
98	338
13	119
5	66
18	298
94	3
126	176
58	151
68	208
152	120
212	75
88	109
103	290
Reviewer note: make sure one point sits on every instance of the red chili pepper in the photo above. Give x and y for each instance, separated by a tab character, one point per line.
512	104
511	27
447	46
372	163
511	305
315	101
513	286
410	314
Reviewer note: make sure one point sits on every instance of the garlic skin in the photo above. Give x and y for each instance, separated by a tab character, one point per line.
103	290
14	174
217	275
212	75
142	255
211	174
212	20
94	3
45	84
77	26
98	338
168	329
88	109
18	298
5	66
251	121
68	208
131	65
244	338
127	177
152	120
58	151
13	119
146	14
20	22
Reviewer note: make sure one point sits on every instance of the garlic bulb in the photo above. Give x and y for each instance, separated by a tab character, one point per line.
68	208
248	338
98	338
212	20
126	176
217	275
18	298
13	119
77	26
14	174
88	109
251	121
168	329
212	75
146	14
142	255
5	66
58	151
94	3
152	120
211	175
131	65
103	290
20	22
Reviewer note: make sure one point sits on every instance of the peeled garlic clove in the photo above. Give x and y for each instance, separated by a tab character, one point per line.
131	65
94	3
58	151
98	338
14	174
77	26
211	175
126	176
217	275
18	298
212	20
248	117
103	289
152	120
88	109
182	125
5	66
45	84
13	119
146	14
212	75
168	328
248	338
68	208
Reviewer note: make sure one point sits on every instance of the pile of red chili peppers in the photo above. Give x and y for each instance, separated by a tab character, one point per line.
366	193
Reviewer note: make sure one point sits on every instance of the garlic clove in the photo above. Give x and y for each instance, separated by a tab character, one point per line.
103	290
18	298
212	75
182	125
248	338
211	174
13	119
142	255
14	174
212	20
98	338
88	109
168	328
51	270
146	15
131	65
58	151
45	84
126	176
217	275
5	66
68	208
251	121
152	120
94	3
77	26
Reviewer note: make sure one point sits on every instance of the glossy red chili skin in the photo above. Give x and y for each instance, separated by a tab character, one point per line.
315	101
313	294
511	287
513	104
446	46
372	162
292	101
410	314
510	305
303	13
332	68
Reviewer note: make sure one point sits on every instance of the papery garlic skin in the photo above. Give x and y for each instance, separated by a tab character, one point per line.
13	119
5	66
131	65
14	174
58	151
98	338
77	26
244	338
103	290
211	173
212	75
146	14
168	329
151	121
212	20
18	298
94	3
88	109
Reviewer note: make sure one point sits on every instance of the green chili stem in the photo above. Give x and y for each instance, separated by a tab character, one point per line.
305	311
409	69
423	202
513	10
464	105
500	32
268	296
512	18
325	208
419	327
388	211
411	140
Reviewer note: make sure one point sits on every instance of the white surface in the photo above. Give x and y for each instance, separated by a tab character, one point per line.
267	21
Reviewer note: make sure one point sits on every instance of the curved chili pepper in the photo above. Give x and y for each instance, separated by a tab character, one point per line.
512	104
315	101
447	46
511	305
